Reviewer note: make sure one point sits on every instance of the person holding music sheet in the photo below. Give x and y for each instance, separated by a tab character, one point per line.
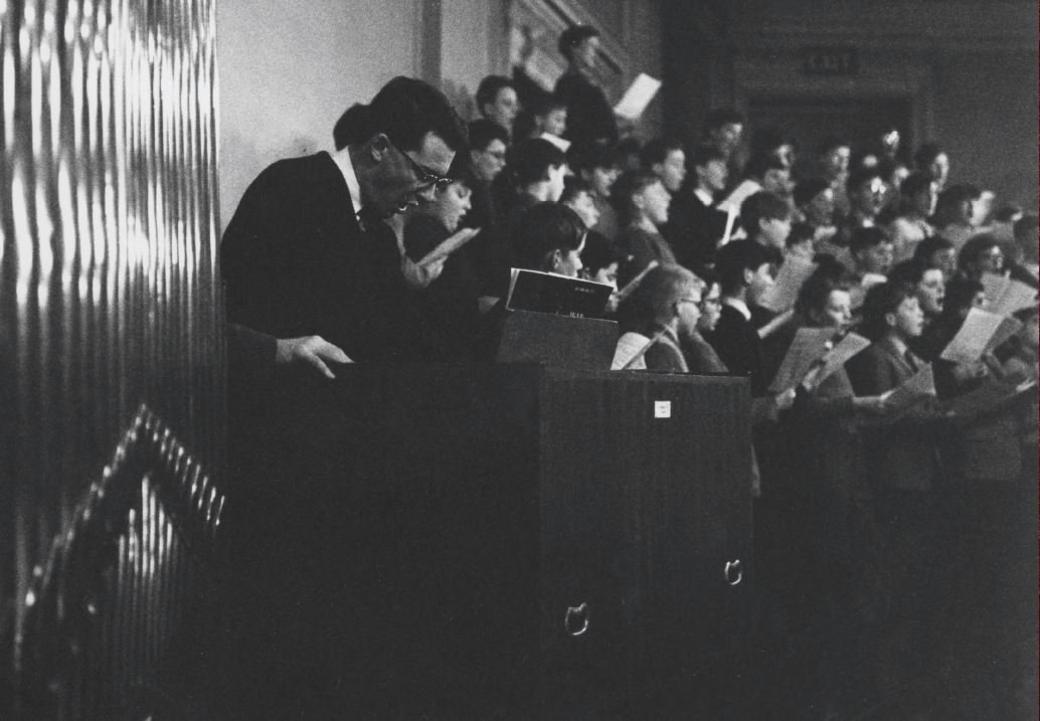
447	313
979	255
929	286
833	543
903	465
664	307
917	197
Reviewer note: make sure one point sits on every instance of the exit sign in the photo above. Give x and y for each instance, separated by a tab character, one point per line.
830	61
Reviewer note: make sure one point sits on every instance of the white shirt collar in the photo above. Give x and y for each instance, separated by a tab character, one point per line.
738	305
346	167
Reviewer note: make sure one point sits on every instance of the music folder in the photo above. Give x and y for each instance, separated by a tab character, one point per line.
533	290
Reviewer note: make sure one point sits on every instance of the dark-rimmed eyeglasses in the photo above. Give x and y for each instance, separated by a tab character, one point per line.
426	177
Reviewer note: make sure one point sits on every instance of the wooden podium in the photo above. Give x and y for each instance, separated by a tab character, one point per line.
538	543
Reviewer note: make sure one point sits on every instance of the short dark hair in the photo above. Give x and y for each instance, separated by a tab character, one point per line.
766	140
657	151
627	186
489	88
573	186
544	229
909	271
972	250
702	154
717	117
868	237
734	258
405	109
483	131
587	156
530	160
763	205
813	294
882	299
928	247
574	36
545	103
762	163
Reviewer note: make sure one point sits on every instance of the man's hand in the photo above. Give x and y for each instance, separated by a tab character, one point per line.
312	350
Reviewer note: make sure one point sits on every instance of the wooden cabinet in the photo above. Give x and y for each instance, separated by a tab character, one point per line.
539	543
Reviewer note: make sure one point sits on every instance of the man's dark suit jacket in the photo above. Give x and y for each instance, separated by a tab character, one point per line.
296	263
694	229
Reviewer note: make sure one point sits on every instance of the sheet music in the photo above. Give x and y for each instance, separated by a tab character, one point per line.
1006	295
789	280
639	94
450	245
919	386
981	331
849	346
809	347
556	140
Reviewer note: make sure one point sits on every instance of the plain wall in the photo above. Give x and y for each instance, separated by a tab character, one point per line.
288	70
986	116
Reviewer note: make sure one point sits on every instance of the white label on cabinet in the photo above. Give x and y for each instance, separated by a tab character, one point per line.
662	409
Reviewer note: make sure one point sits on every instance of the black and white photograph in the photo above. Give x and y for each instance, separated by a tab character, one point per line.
519	360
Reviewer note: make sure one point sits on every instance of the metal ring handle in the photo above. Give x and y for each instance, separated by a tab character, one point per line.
734	572
576	620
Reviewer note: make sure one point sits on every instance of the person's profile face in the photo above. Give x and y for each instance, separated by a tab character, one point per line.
714	175
774	231
556	177
726	137
991	260
931	290
607	275
688	310
836	160
945	260
655	203
672	171
908	320
568	262
602	180
877	258
836	312
504	108
585	207
556	121
761	281
405	177
820	210
870	196
711	308
777	181
940	169
585	53
488	163
451	205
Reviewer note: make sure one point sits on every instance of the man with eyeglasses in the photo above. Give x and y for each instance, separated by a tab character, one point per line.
306	257
314	276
